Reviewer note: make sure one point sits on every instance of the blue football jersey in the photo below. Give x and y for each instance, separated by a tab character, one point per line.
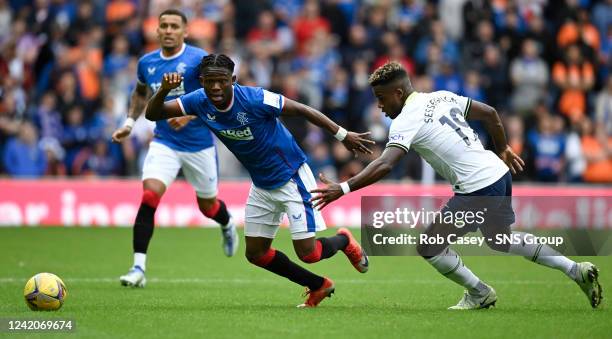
151	68
251	130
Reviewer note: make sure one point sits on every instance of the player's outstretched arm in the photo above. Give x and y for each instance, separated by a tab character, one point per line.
375	171
354	142
488	115
157	109
138	100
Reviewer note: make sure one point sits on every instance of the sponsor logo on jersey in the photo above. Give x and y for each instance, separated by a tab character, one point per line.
210	117
151	70
396	137
237	134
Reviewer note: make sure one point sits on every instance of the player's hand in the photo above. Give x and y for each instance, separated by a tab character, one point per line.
179	122
171	81
358	142
328	194
512	160
121	133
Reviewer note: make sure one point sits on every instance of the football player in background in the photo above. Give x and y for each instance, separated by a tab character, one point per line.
180	143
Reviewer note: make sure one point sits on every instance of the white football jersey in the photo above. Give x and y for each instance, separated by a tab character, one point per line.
434	125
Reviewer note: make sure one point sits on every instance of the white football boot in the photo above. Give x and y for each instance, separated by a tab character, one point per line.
586	278
134	278
230	239
470	302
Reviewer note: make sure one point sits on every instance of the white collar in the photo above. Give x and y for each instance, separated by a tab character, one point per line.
174	56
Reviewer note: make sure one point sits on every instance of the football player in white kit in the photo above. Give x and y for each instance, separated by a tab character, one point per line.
434	125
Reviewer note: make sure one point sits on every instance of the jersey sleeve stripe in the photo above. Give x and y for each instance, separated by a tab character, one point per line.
393	144
467	108
180	103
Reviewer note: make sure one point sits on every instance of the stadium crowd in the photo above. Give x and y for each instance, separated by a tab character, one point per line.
67	69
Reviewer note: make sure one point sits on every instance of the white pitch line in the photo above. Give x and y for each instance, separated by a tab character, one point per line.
211	281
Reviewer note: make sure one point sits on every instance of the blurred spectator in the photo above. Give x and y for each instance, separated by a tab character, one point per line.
358	47
55	157
118	59
474	49
321	161
75	136
596	147
473	12
309	24
540	34
95	161
529	74
47	118
448	80
547	145
579	31
23	156
576	164
574	76
603	108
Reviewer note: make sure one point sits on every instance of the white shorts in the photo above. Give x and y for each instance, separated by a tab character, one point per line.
266	208
200	168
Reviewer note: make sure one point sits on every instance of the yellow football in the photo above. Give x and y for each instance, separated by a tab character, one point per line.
45	292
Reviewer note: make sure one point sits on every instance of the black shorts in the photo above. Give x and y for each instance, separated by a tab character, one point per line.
494	203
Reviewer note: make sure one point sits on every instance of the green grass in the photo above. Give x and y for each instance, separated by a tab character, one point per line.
194	291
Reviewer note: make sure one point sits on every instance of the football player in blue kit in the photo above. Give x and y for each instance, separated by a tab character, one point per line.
246	120
181	143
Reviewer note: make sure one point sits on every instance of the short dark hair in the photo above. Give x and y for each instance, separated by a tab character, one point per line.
172	11
217	60
387	73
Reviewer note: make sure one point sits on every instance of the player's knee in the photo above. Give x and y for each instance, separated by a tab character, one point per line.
209	207
260	258
311	257
151	198
309	252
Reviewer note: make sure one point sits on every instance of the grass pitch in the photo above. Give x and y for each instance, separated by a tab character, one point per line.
195	291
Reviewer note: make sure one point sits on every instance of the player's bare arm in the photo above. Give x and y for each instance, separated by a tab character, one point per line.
488	115
351	140
138	100
157	109
375	171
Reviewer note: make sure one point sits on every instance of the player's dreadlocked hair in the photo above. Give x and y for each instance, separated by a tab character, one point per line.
217	60
173	11
387	73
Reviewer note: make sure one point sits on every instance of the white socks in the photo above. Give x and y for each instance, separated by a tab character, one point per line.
140	260
449	264
544	255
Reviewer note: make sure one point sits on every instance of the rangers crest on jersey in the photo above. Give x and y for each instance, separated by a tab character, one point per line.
242	118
